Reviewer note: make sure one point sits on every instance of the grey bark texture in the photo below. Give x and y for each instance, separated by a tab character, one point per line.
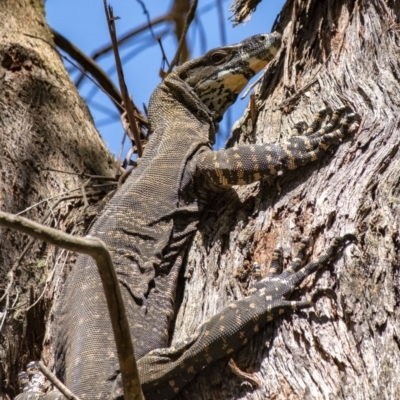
337	53
44	126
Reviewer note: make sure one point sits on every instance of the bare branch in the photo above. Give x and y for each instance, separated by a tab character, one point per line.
178	15
189	19
150	26
102	80
57	383
98	250
125	96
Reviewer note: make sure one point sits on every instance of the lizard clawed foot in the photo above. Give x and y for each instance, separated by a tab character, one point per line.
32	382
277	286
337	126
309	144
34	385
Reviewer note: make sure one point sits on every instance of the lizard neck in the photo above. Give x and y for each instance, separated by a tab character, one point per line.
172	102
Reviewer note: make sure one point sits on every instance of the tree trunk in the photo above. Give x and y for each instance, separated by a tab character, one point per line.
342	52
44	126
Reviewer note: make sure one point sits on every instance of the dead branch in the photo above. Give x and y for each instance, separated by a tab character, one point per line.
102	80
125	96
98	250
189	19
57	383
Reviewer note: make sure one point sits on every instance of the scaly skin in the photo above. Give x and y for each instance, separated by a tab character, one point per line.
150	222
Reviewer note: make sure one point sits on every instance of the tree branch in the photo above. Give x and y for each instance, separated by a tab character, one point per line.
189	19
57	383
98	250
124	92
89	65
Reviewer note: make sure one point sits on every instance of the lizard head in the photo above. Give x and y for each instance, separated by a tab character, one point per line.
220	75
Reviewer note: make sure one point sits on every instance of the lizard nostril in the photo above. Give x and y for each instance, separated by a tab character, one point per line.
261	38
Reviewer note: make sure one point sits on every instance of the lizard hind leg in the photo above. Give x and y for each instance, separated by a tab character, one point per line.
295	274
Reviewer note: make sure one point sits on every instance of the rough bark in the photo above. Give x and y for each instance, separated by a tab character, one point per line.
348	51
44	126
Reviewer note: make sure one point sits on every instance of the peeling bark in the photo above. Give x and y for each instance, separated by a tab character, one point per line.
338	53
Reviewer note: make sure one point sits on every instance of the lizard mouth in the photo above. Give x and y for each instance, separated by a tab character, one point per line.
260	51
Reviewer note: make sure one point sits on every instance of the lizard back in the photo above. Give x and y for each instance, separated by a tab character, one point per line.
146	226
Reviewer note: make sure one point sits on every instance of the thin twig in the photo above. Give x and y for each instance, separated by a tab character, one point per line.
83	191
121	149
100	177
75	52
107	48
4	316
52	198
113	99
150	25
57	383
156	21
17	263
9	309
189	19
95	248
125	96
125	175
251	378
139	115
222	32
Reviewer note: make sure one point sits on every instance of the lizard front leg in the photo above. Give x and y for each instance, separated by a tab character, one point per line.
245	164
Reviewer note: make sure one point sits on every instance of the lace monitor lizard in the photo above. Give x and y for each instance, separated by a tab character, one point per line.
149	224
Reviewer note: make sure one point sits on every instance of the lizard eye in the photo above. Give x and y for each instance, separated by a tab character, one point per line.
217	58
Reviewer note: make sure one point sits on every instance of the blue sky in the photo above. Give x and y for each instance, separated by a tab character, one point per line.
84	24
